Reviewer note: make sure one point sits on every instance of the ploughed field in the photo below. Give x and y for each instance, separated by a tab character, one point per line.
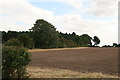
103	60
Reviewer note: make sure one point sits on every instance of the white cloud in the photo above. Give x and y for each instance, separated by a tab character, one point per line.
106	30
21	15
74	3
20	11
103	8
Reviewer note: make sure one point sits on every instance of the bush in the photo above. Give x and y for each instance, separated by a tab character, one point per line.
14	62
13	42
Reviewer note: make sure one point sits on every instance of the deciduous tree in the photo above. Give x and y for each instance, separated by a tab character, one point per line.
44	34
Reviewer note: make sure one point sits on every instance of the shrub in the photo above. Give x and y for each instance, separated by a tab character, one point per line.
13	42
14	62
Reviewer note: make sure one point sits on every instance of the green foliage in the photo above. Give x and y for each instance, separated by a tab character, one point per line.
4	36
73	40
26	40
115	44
13	42
14	62
86	40
12	34
64	43
44	34
96	40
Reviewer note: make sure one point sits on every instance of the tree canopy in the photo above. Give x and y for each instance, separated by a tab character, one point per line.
26	40
96	40
44	35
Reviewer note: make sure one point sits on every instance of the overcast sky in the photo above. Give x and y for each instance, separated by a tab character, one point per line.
93	17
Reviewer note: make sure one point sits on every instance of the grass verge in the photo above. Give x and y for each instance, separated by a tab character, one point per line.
33	50
36	72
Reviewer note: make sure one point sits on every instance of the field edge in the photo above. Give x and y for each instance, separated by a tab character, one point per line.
37	72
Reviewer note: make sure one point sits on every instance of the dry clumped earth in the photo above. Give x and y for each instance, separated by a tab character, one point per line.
74	63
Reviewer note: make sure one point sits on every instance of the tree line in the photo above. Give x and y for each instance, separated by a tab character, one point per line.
114	45
44	35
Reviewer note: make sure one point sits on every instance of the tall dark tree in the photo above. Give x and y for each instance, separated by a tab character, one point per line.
96	40
86	40
12	34
44	34
115	45
73	34
4	36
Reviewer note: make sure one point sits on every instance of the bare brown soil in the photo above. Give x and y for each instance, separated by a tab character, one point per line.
103	60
